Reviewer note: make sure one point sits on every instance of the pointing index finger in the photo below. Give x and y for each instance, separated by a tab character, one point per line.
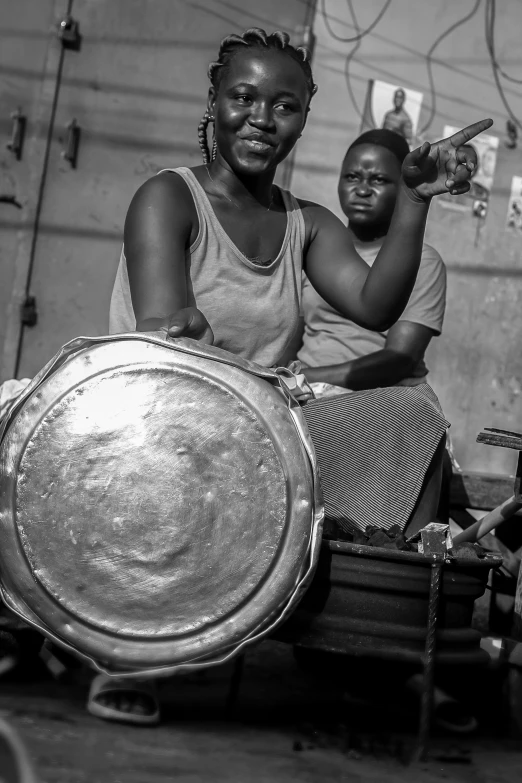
466	134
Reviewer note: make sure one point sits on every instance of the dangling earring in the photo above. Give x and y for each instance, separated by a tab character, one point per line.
214	142
202	136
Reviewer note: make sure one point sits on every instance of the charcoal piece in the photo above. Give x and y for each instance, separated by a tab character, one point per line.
402	544
394	531
378	539
330	529
371	529
359	537
344	535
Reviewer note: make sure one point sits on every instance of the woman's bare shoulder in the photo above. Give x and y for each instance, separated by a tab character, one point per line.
163	208
162	213
166	189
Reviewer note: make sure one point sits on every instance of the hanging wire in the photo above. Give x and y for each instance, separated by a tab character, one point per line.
490	40
433	98
490	43
356	40
361	33
349	58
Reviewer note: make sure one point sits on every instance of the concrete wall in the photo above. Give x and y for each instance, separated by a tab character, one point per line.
476	366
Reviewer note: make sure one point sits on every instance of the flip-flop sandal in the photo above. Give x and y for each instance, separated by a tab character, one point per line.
103	684
452	715
448	713
15	766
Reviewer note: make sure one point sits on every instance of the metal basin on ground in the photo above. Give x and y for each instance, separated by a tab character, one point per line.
374	602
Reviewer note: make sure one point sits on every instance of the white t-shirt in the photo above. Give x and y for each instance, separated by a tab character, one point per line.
329	338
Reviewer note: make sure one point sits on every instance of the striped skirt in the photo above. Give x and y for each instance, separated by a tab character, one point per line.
374	448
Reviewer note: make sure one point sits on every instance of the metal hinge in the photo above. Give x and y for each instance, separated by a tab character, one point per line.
69	34
29	314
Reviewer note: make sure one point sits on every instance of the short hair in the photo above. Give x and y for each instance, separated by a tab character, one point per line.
382	137
256	37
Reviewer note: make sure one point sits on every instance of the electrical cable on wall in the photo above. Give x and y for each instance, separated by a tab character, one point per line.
452	28
356	40
490	40
490	43
360	34
349	58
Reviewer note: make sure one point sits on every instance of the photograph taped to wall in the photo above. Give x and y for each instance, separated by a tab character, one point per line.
514	213
394	107
476	199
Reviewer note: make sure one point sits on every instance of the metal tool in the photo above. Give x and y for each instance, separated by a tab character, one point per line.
429	659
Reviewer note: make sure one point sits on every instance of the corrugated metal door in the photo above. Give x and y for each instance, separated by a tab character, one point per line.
29	68
136	90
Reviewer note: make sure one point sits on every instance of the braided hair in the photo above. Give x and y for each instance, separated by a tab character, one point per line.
230	46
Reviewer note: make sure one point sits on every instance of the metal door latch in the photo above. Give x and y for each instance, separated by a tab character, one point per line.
72	143
69	34
29	314
17	134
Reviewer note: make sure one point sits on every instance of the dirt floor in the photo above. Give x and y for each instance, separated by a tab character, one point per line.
288	725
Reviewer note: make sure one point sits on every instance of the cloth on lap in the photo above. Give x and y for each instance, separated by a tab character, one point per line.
374	448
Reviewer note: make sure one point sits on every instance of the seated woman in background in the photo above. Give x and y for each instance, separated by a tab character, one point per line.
339	354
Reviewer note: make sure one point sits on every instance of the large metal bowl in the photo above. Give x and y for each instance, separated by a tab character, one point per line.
158	503
373	602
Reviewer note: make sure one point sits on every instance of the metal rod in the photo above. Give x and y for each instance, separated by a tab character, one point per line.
429	661
490	521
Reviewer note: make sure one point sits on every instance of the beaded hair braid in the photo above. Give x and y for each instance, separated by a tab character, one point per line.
230	46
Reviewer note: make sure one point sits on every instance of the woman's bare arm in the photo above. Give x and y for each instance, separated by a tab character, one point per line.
373	298
405	346
160	225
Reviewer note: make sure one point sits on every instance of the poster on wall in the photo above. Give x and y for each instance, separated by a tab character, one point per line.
476	200
514	213
394	107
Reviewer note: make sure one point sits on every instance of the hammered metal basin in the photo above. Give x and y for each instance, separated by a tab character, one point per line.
156	505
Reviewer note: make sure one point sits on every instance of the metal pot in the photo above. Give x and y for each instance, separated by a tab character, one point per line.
373	602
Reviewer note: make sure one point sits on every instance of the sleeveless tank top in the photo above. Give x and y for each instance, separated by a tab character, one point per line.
253	310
